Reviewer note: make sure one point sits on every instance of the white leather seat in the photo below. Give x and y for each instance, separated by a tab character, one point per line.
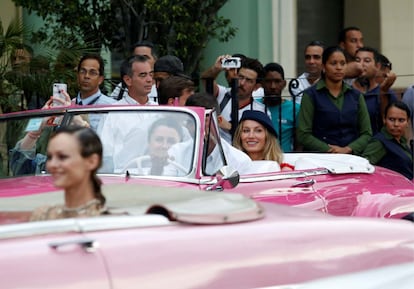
262	166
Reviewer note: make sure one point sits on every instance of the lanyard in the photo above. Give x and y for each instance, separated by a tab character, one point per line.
90	103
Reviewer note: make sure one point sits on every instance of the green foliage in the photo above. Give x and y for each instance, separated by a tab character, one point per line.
72	22
184	28
9	40
29	84
179	27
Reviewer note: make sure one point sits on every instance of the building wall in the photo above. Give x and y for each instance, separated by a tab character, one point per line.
397	38
254	36
284	35
365	15
8	12
311	26
270	30
389	27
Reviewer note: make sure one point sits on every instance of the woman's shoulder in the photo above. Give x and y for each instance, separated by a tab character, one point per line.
349	89
47	213
90	209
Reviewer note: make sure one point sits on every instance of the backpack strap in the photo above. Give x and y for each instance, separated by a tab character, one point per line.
225	101
121	91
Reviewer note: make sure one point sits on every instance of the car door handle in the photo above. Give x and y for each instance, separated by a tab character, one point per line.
306	183
88	245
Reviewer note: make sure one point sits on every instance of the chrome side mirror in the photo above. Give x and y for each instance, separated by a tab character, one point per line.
226	178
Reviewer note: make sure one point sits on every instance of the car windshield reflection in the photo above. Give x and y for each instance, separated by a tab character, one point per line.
140	142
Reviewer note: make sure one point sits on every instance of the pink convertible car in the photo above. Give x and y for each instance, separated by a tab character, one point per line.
341	185
160	237
196	222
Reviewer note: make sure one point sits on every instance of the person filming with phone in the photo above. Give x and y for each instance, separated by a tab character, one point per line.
24	157
90	76
249	74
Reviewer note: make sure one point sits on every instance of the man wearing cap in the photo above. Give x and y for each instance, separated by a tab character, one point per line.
166	66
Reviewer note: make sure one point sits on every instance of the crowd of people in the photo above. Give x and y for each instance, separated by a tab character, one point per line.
343	103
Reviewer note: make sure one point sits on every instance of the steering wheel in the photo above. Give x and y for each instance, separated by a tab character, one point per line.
138	163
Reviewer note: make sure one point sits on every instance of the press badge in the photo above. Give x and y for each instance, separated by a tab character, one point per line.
34	124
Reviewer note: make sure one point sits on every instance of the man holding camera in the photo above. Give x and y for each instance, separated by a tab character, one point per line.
248	78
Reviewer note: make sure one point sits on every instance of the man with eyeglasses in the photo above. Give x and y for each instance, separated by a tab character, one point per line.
249	76
90	76
385	69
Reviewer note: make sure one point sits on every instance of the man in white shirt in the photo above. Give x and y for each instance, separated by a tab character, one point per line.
90	76
145	48
121	132
137	76
214	159
249	75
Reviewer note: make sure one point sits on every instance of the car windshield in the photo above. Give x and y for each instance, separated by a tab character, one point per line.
135	142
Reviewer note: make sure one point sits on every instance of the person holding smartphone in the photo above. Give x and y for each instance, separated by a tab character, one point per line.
90	76
24	157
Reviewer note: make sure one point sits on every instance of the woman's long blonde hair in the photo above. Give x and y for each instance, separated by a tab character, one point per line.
271	151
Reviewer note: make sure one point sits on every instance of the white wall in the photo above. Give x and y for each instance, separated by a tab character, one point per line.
8	12
284	36
397	38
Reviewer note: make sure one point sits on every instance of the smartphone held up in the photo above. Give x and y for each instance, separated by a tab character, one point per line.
231	62
58	88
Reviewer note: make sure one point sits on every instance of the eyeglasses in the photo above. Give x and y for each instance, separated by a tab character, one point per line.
244	78
91	72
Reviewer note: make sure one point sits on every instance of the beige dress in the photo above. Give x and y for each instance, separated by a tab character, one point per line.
92	208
